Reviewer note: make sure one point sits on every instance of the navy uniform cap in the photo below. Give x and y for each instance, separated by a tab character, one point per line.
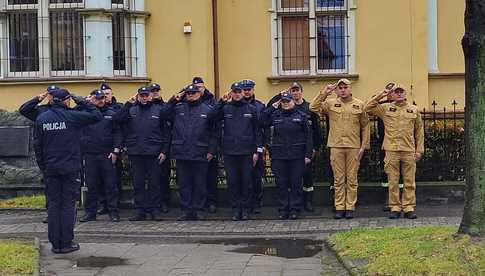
98	94
144	90
197	80
247	84
286	96
60	94
155	87
236	86
191	89
104	86
52	88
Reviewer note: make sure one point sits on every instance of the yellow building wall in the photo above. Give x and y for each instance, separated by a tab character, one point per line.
445	90
388	48
450	32
173	57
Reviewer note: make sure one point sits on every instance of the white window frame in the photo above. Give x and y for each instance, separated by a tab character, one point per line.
312	12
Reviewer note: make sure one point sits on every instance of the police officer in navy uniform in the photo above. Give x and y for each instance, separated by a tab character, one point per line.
193	145
165	167
257	171
146	146
212	171
296	91
101	143
241	145
32	109
112	103
57	149
290	150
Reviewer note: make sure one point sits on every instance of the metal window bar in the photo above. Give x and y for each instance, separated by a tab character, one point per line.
67	42
118	41
293	37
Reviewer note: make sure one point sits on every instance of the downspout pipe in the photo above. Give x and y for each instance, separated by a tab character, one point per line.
215	38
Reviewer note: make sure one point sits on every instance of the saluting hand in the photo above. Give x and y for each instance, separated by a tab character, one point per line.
132	100
276	104
42	96
307	160
179	96
328	89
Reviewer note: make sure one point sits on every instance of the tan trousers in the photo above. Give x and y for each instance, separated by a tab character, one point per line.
345	166
392	163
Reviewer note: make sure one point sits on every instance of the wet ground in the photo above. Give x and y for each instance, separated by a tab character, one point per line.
303	256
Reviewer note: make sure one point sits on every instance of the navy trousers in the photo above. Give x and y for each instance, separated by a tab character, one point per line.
288	175
101	177
238	169
191	180
146	193
62	191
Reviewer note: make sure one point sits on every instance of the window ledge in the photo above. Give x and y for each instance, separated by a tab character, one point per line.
312	78
50	80
445	75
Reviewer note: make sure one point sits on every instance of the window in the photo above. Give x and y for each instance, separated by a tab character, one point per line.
23	41
119	39
70	38
311	37
66	42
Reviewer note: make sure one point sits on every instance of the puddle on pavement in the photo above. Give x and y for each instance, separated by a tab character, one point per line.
285	248
99	262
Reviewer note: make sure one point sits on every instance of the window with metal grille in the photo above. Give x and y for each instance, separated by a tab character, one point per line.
311	37
54	38
66	41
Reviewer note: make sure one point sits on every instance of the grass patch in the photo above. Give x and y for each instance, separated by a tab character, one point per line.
17	257
31	202
411	251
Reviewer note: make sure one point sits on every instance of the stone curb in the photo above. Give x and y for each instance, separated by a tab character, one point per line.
347	264
37	263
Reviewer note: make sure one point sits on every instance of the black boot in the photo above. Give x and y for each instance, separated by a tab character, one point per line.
308	201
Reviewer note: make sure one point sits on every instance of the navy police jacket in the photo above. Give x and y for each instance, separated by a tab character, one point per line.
193	135
104	136
290	133
144	129
57	137
241	131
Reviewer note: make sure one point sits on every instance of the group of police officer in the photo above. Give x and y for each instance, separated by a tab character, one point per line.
196	131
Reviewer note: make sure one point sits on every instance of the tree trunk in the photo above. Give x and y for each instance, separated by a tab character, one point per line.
473	43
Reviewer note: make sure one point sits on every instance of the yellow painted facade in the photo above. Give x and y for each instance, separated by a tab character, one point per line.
391	44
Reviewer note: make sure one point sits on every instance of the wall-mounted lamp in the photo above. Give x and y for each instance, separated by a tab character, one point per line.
187	28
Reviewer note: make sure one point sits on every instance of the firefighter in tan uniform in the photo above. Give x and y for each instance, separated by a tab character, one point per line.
348	138
404	145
